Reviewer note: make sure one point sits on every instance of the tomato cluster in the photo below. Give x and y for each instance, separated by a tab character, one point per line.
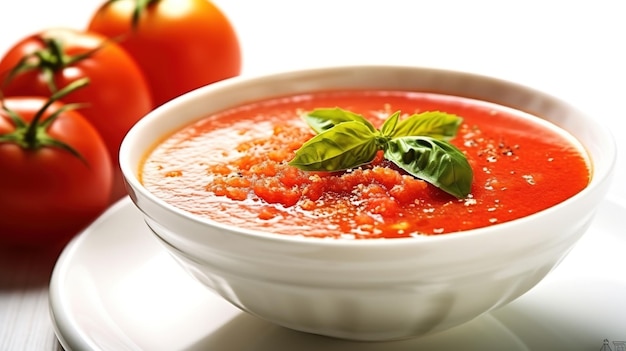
69	96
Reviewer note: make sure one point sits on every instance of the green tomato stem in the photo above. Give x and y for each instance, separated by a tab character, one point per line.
140	8
48	60
32	134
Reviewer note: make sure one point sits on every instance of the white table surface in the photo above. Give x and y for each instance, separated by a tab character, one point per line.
574	50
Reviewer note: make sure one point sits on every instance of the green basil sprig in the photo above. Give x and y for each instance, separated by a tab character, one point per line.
418	144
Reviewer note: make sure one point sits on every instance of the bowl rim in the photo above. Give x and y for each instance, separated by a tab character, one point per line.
134	185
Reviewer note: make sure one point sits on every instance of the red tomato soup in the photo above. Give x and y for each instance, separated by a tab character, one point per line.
232	167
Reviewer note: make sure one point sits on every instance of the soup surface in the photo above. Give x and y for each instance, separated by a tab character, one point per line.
232	167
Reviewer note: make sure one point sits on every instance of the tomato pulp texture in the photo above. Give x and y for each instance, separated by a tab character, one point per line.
232	167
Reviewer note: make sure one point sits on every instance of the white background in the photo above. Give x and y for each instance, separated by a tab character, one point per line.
571	49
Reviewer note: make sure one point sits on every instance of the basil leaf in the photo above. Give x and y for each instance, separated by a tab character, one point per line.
344	146
323	119
389	126
435	161
435	124
418	144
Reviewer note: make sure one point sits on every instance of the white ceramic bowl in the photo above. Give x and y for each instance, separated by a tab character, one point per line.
370	289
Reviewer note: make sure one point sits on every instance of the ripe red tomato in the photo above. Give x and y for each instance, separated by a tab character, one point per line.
53	182
116	98
180	44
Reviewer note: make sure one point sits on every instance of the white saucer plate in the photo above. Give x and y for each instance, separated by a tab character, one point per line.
115	288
